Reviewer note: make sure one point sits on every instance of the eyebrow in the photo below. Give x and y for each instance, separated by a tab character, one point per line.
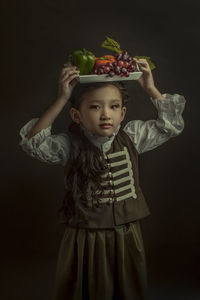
99	101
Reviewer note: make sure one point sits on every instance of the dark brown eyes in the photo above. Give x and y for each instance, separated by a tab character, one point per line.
97	106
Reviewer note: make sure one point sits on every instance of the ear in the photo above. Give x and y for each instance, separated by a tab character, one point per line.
75	115
123	113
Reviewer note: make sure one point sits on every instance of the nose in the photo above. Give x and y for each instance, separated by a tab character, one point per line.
105	114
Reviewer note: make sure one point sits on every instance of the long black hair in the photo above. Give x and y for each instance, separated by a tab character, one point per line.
85	159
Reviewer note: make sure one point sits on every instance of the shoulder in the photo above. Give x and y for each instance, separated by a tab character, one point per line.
124	138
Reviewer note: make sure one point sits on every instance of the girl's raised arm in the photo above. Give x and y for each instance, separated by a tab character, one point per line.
36	138
66	82
147	135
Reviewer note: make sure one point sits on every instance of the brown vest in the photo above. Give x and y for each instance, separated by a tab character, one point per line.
122	200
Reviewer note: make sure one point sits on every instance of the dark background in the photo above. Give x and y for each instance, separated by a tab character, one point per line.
36	38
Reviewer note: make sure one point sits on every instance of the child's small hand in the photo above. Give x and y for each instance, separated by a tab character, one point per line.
146	80
69	77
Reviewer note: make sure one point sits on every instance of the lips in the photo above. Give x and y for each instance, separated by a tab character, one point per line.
105	125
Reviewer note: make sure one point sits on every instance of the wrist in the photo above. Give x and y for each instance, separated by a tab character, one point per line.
61	100
154	93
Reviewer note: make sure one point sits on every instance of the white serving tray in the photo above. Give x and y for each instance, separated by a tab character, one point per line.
106	77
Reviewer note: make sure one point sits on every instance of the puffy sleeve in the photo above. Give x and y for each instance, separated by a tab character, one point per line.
48	148
147	135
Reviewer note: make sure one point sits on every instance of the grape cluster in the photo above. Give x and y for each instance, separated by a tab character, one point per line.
123	66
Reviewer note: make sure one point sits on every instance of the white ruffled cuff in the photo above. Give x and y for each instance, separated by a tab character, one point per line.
170	111
171	103
29	145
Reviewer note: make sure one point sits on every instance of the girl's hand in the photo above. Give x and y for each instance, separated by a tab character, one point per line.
69	77
146	80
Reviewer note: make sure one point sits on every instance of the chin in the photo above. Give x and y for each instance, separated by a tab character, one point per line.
106	133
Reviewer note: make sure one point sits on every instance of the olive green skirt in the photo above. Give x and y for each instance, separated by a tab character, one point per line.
101	264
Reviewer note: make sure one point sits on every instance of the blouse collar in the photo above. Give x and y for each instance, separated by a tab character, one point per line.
98	140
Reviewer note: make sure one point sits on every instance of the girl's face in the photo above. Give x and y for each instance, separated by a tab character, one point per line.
100	106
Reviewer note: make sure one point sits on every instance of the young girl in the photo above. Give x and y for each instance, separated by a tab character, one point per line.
102	253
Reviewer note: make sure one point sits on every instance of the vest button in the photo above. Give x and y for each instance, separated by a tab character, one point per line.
110	174
111	200
111	192
111	182
107	166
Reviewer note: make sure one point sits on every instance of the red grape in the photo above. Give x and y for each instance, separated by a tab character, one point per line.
120	63
111	73
125	52
125	57
117	70
126	64
126	74
109	64
119	57
132	68
106	69
124	70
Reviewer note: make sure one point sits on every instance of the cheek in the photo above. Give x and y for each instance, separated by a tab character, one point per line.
90	115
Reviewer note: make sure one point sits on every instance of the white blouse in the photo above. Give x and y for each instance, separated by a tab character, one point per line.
145	135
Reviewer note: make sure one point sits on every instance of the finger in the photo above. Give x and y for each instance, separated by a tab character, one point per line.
144	66
65	74
71	72
145	71
74	81
68	78
143	62
140	59
66	69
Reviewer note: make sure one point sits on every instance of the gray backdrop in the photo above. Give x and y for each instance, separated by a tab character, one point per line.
37	37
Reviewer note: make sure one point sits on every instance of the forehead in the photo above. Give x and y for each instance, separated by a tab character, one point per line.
109	92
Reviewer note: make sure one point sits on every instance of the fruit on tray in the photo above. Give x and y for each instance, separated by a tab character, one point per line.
103	60
111	44
83	59
119	64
